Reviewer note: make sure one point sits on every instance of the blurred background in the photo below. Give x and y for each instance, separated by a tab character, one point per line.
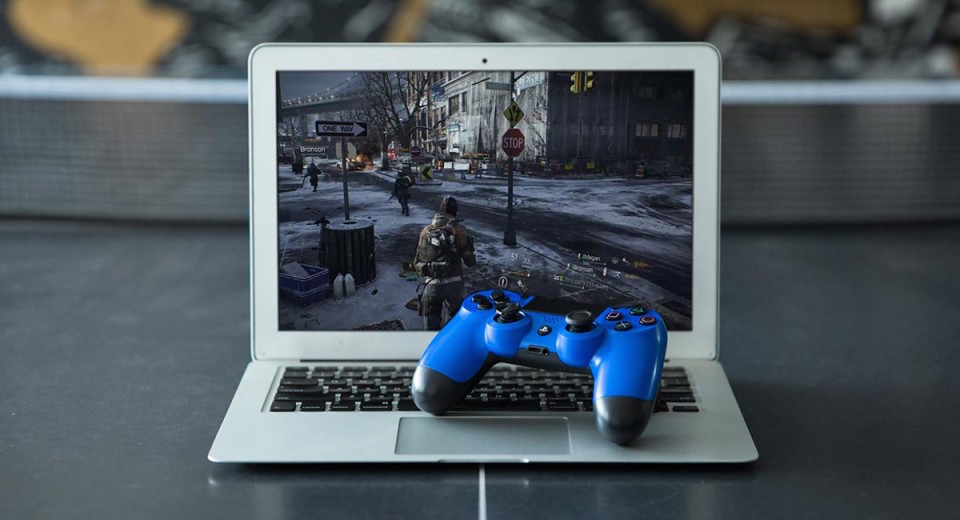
835	111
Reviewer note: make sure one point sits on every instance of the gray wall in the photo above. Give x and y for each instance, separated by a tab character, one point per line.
188	162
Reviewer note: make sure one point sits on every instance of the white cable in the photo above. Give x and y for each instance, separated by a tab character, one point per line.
482	494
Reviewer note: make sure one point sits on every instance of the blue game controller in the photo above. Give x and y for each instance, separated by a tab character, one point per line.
622	347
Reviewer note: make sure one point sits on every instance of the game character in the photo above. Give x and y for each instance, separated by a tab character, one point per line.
444	246
297	166
314	172
401	190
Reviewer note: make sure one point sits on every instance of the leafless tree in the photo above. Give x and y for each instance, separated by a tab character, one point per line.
394	100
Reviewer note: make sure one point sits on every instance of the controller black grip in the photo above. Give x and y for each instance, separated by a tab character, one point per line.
436	393
622	419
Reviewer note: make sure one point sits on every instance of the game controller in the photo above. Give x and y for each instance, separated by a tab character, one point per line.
623	347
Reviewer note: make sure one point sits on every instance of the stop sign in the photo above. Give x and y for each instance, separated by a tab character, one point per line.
513	142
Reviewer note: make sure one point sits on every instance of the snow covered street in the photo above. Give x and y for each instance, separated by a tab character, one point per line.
598	239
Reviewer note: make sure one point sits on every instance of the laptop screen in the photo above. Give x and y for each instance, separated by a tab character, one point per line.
399	193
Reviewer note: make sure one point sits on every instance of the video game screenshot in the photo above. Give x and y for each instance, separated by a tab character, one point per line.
399	193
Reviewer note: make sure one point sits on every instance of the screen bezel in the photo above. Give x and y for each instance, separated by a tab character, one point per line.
269	342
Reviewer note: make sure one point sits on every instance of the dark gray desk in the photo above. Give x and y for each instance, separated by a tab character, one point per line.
120	348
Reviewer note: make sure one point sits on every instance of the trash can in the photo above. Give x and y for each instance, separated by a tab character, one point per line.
347	246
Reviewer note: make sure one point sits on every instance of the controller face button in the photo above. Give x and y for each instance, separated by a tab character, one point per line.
623	325
614	316
544	330
498	296
579	321
508	313
637	310
647	320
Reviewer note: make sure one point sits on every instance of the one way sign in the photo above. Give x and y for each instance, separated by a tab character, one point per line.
341	129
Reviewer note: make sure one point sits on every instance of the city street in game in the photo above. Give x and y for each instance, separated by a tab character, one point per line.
401	192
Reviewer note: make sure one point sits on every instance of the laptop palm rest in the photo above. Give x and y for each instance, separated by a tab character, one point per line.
483	436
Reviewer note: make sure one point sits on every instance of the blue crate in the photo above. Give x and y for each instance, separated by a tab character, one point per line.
306	298
317	277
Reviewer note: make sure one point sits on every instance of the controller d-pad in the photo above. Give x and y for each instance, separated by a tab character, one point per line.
498	296
647	320
614	316
637	310
623	325
482	302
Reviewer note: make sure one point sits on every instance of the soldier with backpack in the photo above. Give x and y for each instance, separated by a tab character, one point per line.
401	190
444	246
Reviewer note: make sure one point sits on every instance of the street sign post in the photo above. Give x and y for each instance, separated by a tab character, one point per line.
341	129
513	142
493	85
513	113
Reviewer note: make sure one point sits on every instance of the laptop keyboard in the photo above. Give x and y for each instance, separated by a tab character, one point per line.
505	388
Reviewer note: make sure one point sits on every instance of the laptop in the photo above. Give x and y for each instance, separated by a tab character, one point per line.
610	195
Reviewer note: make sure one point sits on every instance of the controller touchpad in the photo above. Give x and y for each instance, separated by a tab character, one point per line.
483	436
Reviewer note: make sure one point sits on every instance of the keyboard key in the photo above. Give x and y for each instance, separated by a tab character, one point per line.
685	408
407	405
298	382
283	406
294	375
470	403
376	407
313	406
562	406
356	369
519	405
343	407
661	407
295	369
677	398
315	392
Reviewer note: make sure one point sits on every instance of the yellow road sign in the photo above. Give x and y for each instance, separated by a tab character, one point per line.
513	114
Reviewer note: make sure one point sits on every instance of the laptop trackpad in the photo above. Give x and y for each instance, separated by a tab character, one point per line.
483	436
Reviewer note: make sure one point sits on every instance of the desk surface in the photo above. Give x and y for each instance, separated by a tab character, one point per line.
122	346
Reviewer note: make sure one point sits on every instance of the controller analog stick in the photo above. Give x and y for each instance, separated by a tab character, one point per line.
508	313
579	321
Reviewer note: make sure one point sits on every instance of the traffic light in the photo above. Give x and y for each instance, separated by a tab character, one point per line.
576	82
589	81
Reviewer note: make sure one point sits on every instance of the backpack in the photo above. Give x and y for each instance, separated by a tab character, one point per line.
436	252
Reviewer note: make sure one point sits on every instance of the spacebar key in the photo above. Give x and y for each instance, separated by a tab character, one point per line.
500	405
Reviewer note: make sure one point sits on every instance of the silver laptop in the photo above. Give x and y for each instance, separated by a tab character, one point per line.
612	197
